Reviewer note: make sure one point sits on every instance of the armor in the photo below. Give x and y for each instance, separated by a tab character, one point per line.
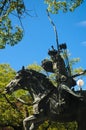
47	65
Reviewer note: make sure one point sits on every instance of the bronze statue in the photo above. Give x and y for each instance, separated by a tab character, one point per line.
46	99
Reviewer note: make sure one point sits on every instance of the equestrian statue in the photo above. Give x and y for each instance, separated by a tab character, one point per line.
59	102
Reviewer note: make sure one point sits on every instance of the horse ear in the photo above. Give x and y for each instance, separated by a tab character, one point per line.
23	68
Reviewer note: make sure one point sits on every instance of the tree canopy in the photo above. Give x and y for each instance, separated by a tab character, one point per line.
66	5
10	34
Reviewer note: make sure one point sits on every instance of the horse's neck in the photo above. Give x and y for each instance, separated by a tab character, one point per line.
35	92
39	85
37	88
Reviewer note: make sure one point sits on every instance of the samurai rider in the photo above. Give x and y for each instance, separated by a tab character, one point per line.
63	77
57	65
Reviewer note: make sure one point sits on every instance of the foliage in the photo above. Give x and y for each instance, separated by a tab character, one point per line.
54	5
9	34
6	74
36	67
11	113
72	62
59	126
6	111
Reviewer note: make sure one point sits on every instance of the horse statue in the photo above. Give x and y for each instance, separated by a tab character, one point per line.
49	102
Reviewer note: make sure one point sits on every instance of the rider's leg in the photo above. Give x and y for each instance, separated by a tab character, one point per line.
67	89
27	121
32	122
34	126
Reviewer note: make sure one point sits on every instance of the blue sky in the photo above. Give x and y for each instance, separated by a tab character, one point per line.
39	36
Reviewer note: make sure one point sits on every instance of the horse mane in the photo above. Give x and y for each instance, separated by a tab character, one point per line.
43	79
38	83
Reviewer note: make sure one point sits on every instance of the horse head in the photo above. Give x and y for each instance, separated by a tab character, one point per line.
19	81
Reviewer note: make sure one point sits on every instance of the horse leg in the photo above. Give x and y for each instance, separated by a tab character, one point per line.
25	123
34	126
34	120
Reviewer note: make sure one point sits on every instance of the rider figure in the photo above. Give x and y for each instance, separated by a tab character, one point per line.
57	66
